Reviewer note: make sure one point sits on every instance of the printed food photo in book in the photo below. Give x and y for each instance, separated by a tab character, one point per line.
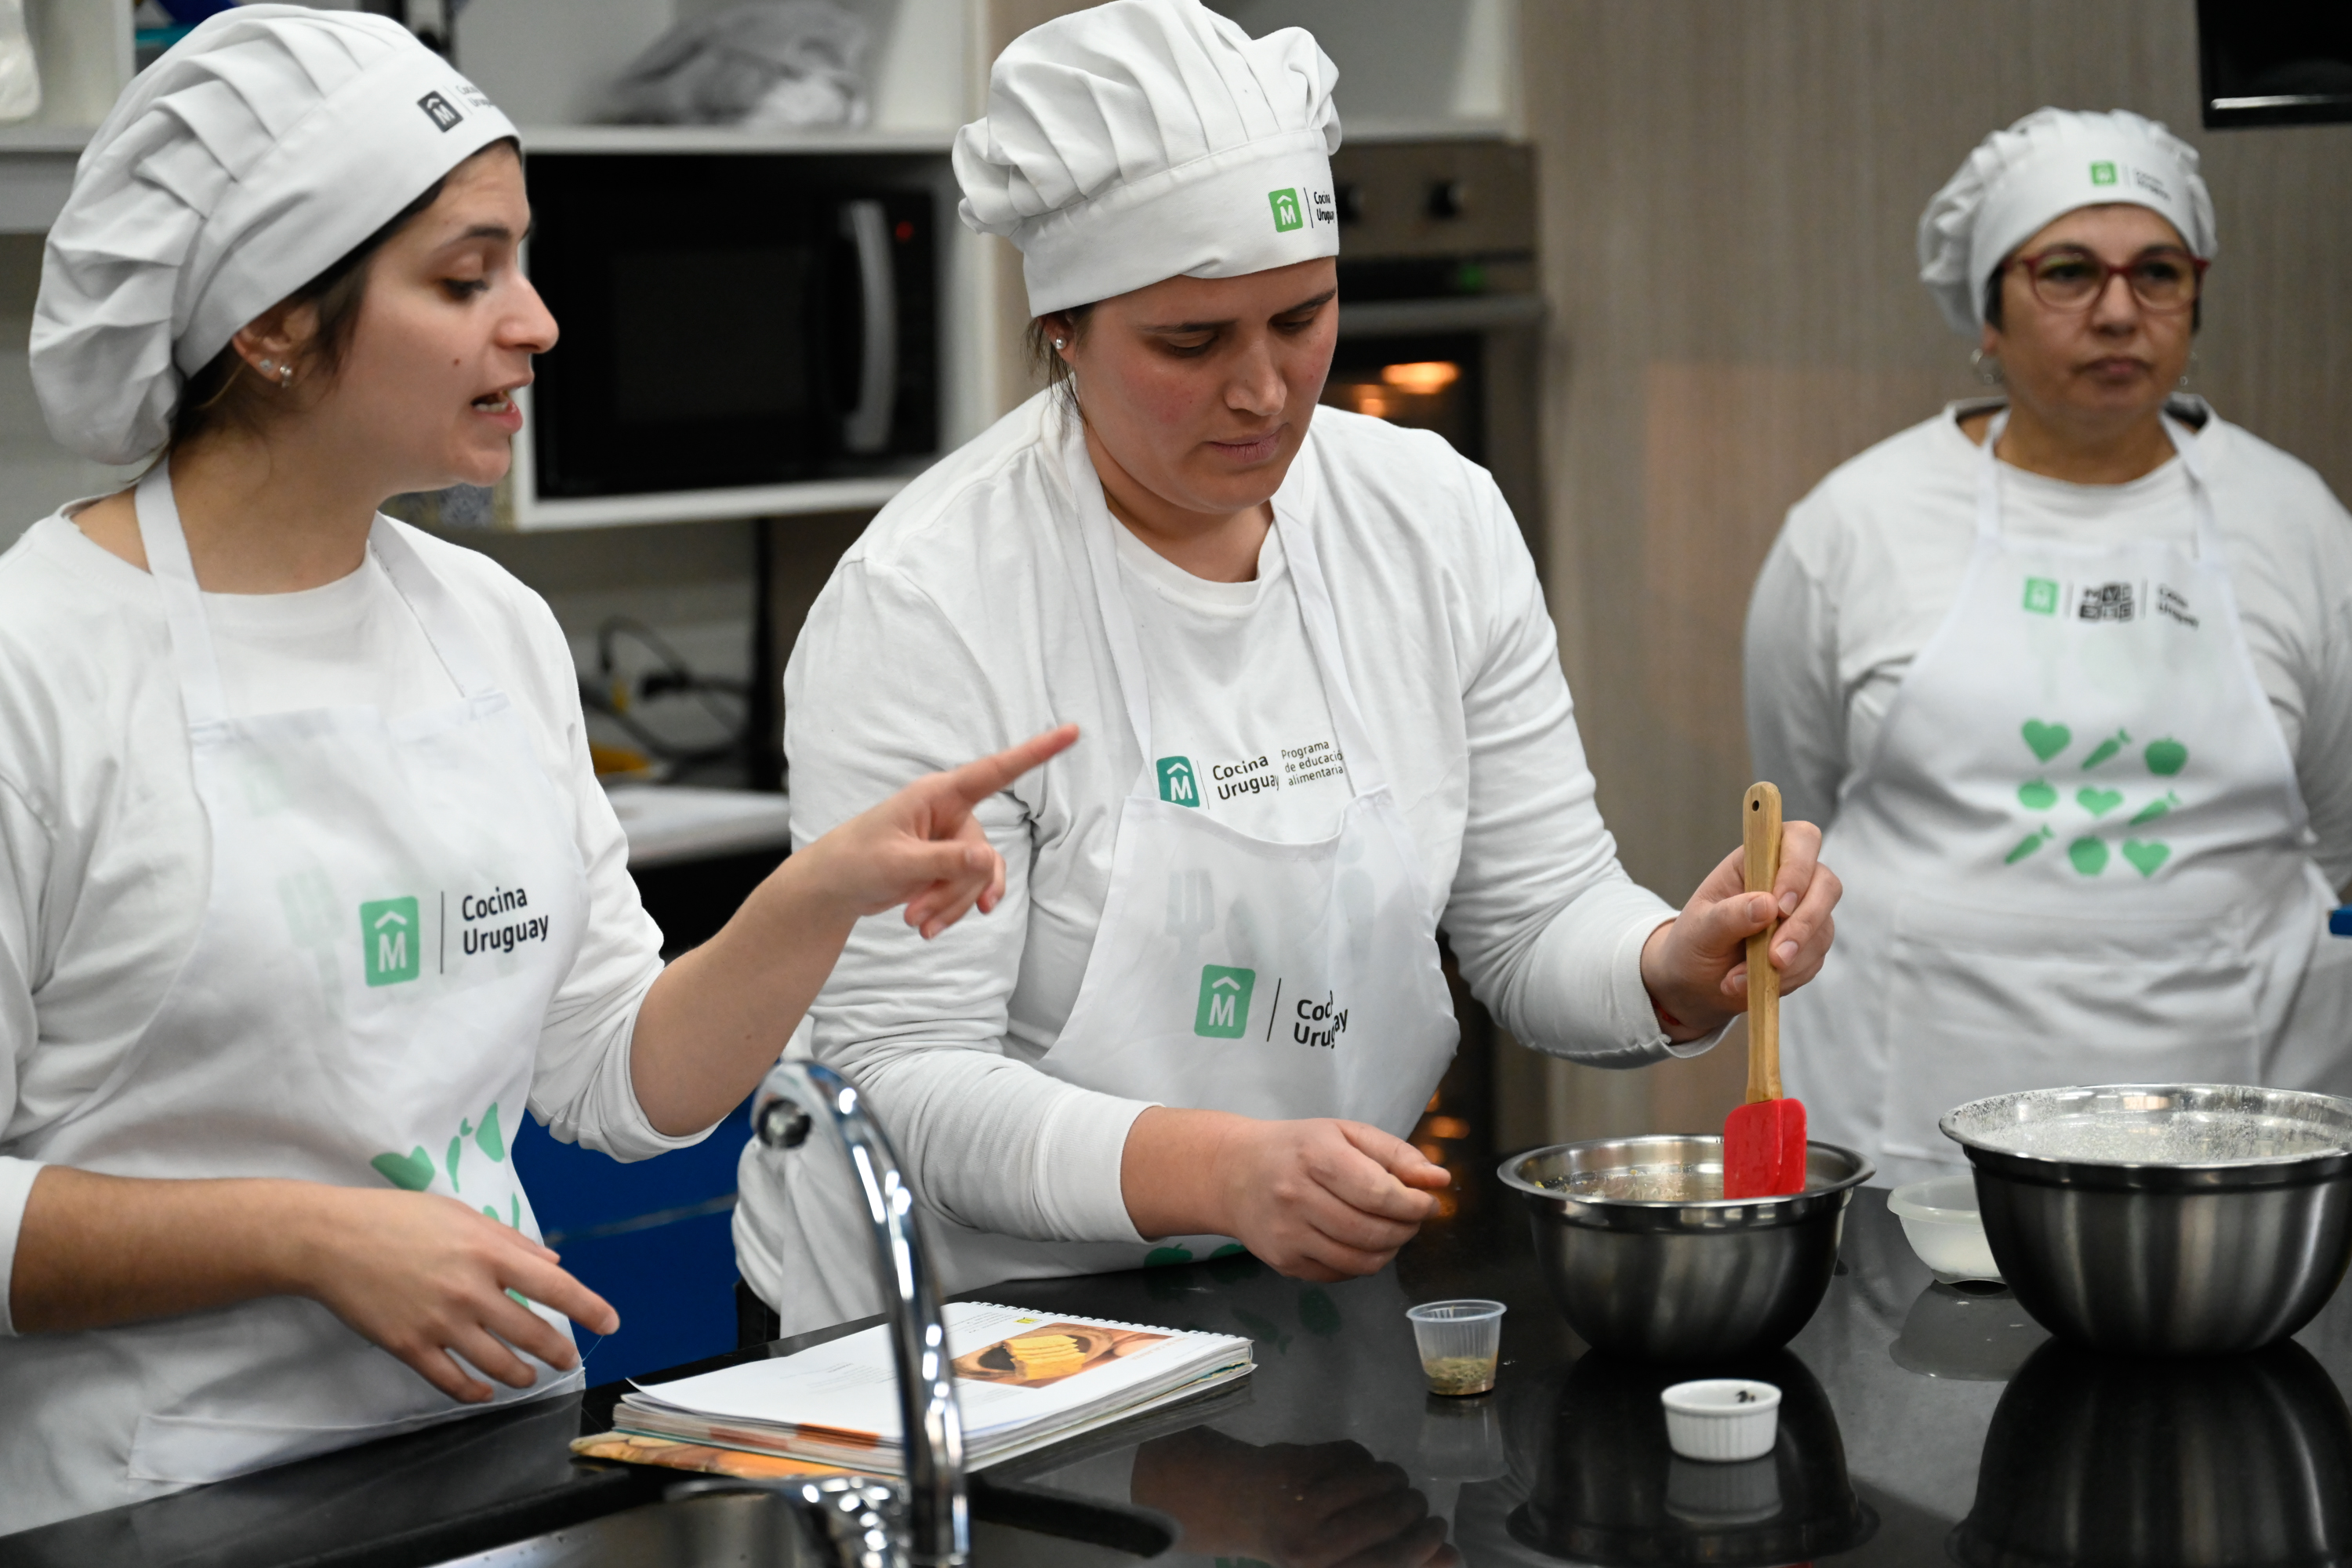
1048	1354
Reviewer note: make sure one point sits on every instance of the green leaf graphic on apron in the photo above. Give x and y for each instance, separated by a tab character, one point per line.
2106	749
2047	739
2089	855
488	1138
2026	845
2098	802
2147	856
410	1173
457	1147
2037	795
2167	757
2155	808
1162	1256
1317	1313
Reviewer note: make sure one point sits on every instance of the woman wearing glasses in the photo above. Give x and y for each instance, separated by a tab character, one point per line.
2069	673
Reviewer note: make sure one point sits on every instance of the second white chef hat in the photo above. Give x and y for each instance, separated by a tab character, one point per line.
2044	166
266	144
1152	139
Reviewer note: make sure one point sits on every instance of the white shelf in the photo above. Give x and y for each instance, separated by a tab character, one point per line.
549	62
706	506
725	139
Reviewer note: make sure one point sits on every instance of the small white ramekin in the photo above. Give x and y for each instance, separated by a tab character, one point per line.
1722	1419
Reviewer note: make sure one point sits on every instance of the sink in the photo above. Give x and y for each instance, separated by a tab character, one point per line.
719	1524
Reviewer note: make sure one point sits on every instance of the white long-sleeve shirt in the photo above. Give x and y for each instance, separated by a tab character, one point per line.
1870	562
965	619
105	855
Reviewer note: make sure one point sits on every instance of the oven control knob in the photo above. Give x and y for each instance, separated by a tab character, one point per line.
1448	198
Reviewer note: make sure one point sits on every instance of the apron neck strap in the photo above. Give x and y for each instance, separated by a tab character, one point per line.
1096	524
167	544
2184	443
444	624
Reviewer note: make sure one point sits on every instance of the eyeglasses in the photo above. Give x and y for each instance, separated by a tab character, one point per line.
2068	278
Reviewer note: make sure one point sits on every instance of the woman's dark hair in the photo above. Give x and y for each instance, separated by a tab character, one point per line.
1042	353
227	391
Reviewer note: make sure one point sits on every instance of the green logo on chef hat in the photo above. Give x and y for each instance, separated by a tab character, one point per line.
1288	214
2103	174
1176	785
1223	1012
390	950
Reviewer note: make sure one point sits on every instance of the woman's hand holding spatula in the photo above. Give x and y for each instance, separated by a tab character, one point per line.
1696	965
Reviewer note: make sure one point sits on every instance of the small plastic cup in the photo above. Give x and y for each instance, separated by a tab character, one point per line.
1722	1419
1941	1223
1459	1343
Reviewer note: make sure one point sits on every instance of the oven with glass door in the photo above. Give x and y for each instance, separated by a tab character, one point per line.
1440	319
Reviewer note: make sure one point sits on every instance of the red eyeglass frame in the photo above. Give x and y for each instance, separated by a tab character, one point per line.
2108	272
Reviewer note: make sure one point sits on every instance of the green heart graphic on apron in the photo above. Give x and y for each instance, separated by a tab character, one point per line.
2147	856
2037	795
411	1172
2047	739
2167	757
2098	802
2027	846
2089	855
2106	749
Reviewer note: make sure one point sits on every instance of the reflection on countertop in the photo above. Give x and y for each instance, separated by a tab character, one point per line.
1916	1422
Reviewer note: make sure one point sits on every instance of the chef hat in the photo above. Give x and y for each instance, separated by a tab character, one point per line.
266	144
1152	139
2040	169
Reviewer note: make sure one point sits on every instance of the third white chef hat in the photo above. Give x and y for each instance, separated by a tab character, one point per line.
262	147
2050	163
1152	139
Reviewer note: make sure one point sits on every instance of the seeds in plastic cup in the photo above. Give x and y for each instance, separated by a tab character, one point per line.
1459	1341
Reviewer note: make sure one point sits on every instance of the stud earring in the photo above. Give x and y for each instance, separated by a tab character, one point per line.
1988	368
1058	345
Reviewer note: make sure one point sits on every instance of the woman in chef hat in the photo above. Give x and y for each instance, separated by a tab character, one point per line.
2068	672
307	891
1326	711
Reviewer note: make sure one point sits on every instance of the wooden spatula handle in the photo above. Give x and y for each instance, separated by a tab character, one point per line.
1760	816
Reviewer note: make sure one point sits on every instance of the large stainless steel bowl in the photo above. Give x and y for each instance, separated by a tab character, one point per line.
1680	1278
2231	1248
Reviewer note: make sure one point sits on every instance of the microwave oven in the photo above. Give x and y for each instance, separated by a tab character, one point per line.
729	324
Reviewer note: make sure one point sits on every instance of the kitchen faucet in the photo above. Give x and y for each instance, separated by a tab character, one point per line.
937	1516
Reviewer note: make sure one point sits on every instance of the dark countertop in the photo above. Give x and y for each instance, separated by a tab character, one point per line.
1920	1424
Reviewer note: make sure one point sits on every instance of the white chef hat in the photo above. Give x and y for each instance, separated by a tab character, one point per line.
1152	139
253	156
2040	169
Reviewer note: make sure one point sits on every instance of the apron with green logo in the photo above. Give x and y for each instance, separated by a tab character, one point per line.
2077	855
1231	973
392	903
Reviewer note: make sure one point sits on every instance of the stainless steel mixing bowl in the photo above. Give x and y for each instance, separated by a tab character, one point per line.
2159	1257
1681	1278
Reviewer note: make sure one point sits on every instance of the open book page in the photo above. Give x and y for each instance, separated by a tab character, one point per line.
1015	1369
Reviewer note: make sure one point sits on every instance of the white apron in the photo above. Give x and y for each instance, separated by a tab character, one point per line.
392	903
1236	973
2077	855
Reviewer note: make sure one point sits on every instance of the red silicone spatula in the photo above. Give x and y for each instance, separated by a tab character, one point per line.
1764	1140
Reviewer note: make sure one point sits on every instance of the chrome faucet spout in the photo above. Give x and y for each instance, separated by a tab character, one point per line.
931	1425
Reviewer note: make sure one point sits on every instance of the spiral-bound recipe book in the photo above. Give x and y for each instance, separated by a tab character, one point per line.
1024	1379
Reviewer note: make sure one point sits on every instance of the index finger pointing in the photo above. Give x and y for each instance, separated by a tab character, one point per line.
979	779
